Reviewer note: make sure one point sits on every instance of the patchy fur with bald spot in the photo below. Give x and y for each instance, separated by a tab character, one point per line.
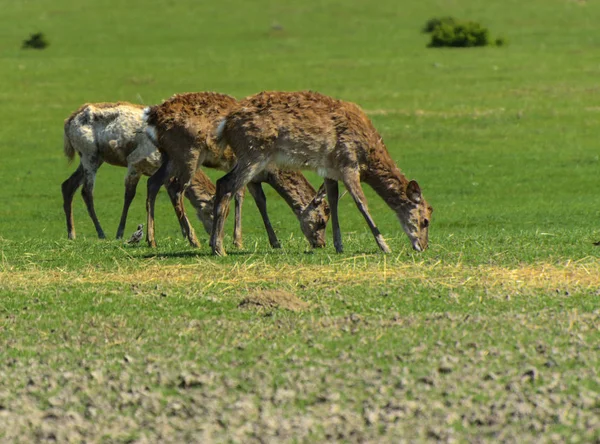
115	133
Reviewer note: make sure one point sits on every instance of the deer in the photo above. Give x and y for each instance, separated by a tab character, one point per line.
308	130
183	129
115	133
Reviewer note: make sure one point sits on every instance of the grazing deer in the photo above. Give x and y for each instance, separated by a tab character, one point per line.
115	133
307	130
183	129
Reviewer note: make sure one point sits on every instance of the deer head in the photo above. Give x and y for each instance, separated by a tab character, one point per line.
314	217
415	216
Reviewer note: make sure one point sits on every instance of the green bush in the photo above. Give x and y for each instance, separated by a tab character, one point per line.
450	32
36	41
459	35
433	23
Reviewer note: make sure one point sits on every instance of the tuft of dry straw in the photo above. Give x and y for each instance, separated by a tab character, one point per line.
347	271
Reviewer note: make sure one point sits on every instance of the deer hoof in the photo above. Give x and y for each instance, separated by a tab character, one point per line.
219	251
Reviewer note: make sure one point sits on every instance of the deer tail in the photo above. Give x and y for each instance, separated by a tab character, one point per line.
220	136
73	119
68	146
150	120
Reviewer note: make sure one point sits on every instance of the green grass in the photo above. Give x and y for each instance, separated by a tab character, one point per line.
490	335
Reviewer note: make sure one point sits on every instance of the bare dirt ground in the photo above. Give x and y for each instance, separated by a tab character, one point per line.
513	376
469	392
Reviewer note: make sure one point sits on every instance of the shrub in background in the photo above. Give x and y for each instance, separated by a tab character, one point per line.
433	23
459	35
36	41
450	32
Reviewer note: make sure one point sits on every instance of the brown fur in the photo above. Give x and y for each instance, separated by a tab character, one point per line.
201	194
307	130
184	127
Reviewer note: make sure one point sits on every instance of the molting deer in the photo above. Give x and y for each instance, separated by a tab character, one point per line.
115	133
183	129
307	130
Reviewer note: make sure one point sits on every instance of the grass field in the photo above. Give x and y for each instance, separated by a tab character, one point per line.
493	334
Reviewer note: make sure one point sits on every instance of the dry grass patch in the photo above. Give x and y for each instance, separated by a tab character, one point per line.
577	275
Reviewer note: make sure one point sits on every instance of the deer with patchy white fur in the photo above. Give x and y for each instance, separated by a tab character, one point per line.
308	130
115	133
183	129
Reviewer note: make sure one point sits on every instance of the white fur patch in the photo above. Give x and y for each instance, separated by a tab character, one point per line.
152	135
220	129
323	172
285	159
145	114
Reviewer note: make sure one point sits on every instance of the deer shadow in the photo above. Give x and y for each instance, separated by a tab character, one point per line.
192	254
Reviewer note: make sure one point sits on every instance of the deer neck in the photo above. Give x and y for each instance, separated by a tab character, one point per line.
388	182
292	189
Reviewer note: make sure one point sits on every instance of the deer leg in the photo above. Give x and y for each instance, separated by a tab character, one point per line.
352	183
89	178
69	187
237	225
227	186
333	197
176	192
131	182
154	183
261	202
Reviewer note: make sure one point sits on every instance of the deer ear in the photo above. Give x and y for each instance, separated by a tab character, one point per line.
413	191
321	193
316	201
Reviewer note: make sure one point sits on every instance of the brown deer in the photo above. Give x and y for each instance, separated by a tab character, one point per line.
115	133
307	130
183	129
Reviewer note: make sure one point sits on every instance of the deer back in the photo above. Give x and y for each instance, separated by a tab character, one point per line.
303	130
105	131
184	127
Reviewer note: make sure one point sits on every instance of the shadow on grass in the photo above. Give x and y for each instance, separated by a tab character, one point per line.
242	253
189	254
